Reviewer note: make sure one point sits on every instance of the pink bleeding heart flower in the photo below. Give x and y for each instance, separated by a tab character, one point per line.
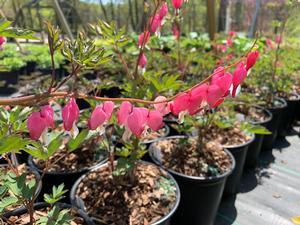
143	38
214	96
142	60
36	125
231	33
239	76
180	104
251	59
48	114
197	96
155	23
124	111
229	42
269	43
278	39
163	108
136	122
221	47
2	40
100	115
163	11
177	4
222	79
176	31
70	114
155	120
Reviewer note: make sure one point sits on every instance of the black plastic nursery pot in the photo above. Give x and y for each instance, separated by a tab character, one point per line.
10	77
255	147
273	125
200	196
288	115
166	220
43	205
30	67
239	153
57	178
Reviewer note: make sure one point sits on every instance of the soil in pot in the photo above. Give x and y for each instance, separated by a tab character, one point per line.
150	200
289	114
255	115
21	217
277	110
30	175
201	176
66	167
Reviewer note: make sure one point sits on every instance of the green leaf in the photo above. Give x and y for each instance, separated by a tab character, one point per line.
73	144
57	194
4	24
54	145
8	201
11	143
124	165
18	33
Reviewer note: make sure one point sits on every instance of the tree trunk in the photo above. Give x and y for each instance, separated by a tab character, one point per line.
136	8
253	25
222	15
211	18
145	15
238	15
112	10
133	25
103	10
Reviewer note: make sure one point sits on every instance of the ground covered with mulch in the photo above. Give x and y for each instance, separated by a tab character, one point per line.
152	135
184	156
65	161
150	198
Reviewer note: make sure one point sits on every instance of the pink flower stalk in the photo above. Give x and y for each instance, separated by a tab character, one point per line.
269	43
39	122
251	59
239	75
229	42
70	115
177	4
231	33
221	47
155	23
163	108
223	80
163	11
135	119
142	60
100	115
189	102
176	31
278	39
214	96
2	40
143	38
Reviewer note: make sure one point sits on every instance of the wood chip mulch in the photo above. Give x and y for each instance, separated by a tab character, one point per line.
108	201
65	161
185	158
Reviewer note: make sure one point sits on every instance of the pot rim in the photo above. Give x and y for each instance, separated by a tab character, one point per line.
204	179
284	104
33	166
270	116
74	198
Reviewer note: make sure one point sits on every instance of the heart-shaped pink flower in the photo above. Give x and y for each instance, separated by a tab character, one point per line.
214	96
70	114
36	125
251	59
239	75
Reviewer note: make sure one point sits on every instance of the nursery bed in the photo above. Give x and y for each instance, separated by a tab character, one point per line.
270	195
